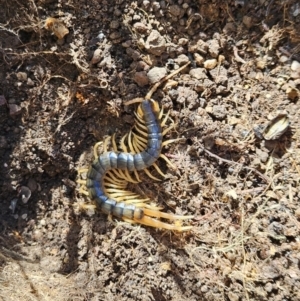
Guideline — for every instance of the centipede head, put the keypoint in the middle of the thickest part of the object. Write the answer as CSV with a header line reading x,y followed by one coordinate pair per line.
x,y
154,105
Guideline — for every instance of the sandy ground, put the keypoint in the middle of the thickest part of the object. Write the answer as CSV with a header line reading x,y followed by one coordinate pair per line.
x,y
64,85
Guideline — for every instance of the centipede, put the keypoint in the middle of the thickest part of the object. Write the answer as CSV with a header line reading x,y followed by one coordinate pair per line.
x,y
107,177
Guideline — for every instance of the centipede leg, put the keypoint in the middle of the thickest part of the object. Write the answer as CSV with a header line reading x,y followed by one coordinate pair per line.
x,y
148,221
147,172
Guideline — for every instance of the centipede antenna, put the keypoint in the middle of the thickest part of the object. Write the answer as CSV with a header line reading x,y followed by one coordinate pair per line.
x,y
169,216
135,100
148,221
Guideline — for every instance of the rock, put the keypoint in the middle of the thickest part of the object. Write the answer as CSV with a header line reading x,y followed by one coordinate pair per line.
x,y
198,73
97,56
182,59
213,48
22,76
114,24
295,66
175,10
14,109
199,46
182,41
2,100
140,27
263,156
210,64
247,21
141,78
261,64
32,185
155,43
219,75
156,74
199,59
229,28
219,111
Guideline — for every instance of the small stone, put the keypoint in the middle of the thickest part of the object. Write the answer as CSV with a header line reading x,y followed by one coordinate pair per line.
x,y
261,64
297,213
263,156
182,41
182,59
210,64
292,93
213,48
141,78
32,185
30,82
247,21
2,100
295,66
114,24
127,43
229,28
156,74
199,59
115,35
97,56
22,76
175,10
155,43
233,297
283,59
140,27
24,193
219,112
198,73
14,109
13,205
199,46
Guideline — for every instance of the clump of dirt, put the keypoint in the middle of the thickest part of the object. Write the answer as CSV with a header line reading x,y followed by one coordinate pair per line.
x,y
60,94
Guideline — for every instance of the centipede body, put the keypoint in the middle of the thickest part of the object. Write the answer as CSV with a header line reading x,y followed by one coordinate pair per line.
x,y
131,210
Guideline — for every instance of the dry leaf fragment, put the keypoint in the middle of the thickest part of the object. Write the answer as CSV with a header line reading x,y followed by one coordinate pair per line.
x,y
57,27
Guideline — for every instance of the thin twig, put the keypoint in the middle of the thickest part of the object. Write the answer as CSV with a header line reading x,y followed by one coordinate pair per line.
x,y
265,178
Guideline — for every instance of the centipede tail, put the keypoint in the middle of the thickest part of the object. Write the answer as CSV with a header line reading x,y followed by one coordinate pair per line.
x,y
108,175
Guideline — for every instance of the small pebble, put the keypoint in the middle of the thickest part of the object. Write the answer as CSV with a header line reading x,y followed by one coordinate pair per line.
x,y
210,64
97,56
22,76
155,43
156,74
2,100
141,78
24,193
14,109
